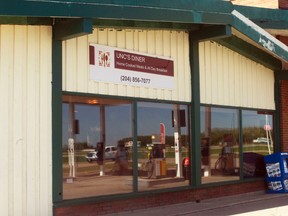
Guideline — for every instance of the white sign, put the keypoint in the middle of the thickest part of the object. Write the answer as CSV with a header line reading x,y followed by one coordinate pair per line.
x,y
113,65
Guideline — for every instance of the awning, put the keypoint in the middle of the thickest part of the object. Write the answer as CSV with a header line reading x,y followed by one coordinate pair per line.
x,y
254,32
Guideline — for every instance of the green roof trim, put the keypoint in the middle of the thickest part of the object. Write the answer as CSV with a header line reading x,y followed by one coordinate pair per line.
x,y
157,11
259,35
263,14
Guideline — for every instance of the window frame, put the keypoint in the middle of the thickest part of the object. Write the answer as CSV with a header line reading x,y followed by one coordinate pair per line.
x,y
240,110
57,154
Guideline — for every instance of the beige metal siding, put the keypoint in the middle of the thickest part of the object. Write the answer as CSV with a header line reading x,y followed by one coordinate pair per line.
x,y
25,120
172,44
228,78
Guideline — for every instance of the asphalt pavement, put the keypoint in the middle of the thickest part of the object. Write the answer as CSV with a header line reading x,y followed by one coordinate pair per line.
x,y
249,204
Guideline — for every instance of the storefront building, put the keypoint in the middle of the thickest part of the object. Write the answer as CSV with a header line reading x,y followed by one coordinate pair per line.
x,y
119,106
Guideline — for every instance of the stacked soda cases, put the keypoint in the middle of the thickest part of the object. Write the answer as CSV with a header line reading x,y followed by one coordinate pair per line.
x,y
277,172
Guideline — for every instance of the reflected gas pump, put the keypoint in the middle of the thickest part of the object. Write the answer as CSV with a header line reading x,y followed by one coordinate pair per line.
x,y
157,151
156,155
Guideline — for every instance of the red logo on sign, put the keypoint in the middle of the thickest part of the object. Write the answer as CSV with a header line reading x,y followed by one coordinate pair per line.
x,y
104,59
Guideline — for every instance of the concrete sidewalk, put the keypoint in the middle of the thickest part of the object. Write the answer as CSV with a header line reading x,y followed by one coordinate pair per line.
x,y
252,204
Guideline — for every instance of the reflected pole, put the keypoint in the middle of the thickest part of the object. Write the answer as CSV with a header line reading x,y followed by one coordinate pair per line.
x,y
102,136
207,167
177,140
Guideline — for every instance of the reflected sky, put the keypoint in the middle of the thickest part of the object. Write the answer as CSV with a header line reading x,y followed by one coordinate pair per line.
x,y
228,118
118,121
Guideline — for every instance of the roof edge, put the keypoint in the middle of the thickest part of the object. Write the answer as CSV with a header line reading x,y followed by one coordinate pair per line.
x,y
271,44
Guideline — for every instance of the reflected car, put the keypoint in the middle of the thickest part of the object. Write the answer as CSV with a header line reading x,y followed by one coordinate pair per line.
x,y
260,140
110,154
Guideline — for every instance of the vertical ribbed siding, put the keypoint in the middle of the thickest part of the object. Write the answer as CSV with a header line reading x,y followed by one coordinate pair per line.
x,y
227,78
173,44
25,120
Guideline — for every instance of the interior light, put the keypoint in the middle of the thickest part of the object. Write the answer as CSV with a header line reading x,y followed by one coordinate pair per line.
x,y
93,101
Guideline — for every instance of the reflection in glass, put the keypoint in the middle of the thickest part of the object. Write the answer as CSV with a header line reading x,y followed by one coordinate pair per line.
x,y
97,157
257,141
163,143
219,144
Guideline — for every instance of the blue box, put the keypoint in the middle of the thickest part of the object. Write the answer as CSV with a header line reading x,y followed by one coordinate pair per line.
x,y
277,172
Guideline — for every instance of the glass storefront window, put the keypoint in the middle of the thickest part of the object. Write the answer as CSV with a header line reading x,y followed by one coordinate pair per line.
x,y
257,139
219,144
163,144
97,158
97,145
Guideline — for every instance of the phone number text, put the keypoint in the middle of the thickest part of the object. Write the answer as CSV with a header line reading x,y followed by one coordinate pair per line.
x,y
134,79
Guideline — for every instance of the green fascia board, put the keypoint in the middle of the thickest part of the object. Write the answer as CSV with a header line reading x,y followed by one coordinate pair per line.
x,y
126,9
263,14
244,48
260,36
221,6
266,18
153,14
186,12
276,25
